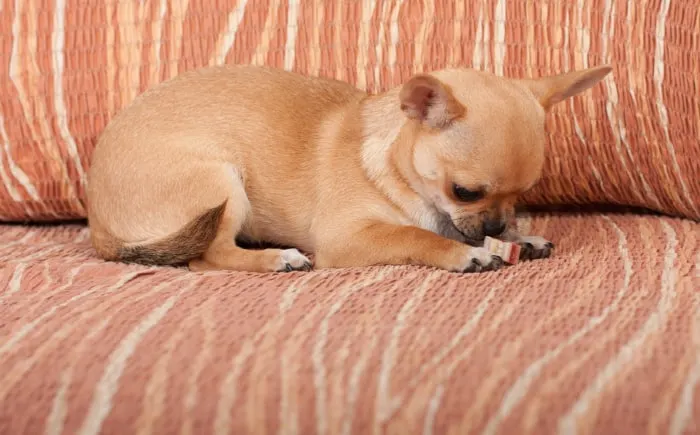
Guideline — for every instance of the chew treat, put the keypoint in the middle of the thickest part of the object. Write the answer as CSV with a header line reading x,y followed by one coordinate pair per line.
x,y
509,252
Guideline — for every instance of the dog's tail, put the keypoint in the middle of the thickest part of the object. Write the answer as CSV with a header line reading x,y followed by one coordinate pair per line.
x,y
188,243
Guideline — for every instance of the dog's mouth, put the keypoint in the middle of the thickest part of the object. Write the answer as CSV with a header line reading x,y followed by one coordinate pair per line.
x,y
448,222
467,239
473,242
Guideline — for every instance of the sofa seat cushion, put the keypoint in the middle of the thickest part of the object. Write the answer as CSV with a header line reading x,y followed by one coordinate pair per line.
x,y
603,337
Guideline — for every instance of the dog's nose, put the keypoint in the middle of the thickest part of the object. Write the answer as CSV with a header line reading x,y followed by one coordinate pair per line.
x,y
493,228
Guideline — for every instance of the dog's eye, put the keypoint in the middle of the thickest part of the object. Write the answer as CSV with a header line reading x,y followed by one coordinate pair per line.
x,y
466,195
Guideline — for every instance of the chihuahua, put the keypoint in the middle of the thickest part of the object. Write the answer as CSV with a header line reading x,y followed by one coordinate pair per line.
x,y
219,157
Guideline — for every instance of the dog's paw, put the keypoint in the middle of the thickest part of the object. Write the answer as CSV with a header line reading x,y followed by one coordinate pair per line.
x,y
291,260
535,247
481,260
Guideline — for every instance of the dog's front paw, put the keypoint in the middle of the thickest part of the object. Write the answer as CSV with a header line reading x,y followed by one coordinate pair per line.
x,y
535,247
481,260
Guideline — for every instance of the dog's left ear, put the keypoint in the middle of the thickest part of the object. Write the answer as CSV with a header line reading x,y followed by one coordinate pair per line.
x,y
428,100
555,89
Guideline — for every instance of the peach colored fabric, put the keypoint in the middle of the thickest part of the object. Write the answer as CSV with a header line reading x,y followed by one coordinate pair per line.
x,y
603,338
67,66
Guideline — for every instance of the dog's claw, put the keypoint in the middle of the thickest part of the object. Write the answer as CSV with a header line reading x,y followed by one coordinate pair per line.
x,y
474,267
528,251
306,267
496,262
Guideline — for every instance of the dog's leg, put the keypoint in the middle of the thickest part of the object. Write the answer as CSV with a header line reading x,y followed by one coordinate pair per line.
x,y
226,255
386,244
223,253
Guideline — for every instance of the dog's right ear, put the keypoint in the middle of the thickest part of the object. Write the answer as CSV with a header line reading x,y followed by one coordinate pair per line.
x,y
428,100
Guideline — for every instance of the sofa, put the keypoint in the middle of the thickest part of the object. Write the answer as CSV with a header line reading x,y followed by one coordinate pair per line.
x,y
601,338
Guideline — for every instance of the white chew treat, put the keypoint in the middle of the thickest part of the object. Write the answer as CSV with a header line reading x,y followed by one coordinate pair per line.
x,y
509,252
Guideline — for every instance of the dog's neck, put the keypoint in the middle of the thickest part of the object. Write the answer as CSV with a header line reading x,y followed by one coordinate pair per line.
x,y
382,121
387,158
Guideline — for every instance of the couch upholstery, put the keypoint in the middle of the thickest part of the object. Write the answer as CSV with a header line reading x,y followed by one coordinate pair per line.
x,y
603,338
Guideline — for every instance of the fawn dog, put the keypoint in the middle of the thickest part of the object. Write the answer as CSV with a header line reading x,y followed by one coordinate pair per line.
x,y
419,174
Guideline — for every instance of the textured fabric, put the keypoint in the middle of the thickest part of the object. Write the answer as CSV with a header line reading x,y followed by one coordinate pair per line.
x,y
604,338
67,66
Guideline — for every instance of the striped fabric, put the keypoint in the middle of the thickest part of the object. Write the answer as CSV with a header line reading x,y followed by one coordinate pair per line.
x,y
603,338
67,66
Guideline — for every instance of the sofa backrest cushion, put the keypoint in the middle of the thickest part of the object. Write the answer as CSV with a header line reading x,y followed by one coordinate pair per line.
x,y
632,140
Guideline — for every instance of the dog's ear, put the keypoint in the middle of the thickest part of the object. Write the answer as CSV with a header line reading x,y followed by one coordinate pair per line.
x,y
554,89
428,100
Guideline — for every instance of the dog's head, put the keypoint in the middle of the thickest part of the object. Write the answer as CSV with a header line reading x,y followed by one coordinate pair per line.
x,y
478,140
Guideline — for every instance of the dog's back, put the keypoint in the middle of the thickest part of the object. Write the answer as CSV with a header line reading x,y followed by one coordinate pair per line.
x,y
171,138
